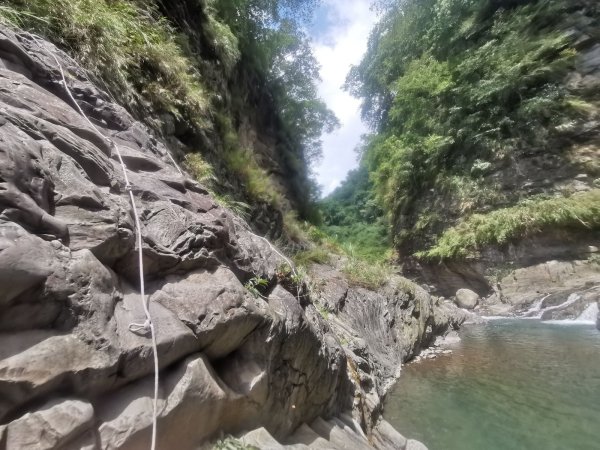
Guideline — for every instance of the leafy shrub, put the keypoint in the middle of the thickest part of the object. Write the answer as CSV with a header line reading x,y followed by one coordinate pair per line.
x,y
256,286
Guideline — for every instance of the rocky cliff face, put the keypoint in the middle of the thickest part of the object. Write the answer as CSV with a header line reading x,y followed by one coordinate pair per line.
x,y
554,259
380,330
73,374
243,95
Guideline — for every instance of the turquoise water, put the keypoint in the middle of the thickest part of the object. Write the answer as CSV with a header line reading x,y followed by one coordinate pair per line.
x,y
510,384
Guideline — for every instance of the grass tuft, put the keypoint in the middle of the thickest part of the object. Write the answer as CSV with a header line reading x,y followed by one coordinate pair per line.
x,y
305,258
201,170
126,44
525,219
365,273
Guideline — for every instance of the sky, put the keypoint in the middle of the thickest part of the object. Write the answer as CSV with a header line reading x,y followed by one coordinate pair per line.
x,y
340,33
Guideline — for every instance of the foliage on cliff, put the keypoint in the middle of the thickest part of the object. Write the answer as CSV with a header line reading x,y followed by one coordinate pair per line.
x,y
578,211
352,217
457,91
180,81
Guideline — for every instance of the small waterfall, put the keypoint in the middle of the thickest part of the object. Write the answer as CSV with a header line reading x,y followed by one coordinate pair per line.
x,y
535,312
589,315
570,300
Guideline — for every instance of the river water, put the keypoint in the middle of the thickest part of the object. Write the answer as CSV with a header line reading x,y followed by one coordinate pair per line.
x,y
509,384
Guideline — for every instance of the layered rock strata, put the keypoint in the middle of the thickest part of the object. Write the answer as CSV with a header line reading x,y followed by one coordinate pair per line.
x,y
73,375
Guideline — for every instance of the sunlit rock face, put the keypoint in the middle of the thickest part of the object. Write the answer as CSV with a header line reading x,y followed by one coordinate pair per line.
x,y
72,374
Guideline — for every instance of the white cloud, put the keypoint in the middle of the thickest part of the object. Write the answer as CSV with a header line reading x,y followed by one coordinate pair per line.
x,y
337,49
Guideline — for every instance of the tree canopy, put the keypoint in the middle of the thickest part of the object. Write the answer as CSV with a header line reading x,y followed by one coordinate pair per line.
x,y
270,34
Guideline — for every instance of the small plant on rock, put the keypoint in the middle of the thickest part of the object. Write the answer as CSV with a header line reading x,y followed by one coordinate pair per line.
x,y
255,285
231,443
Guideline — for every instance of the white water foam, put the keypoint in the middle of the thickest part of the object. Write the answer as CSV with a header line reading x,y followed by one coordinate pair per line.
x,y
590,314
572,299
497,317
587,317
570,322
535,311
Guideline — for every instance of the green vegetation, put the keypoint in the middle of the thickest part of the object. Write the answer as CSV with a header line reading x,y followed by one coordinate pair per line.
x,y
278,62
352,217
256,285
134,51
317,255
241,163
242,58
368,274
324,312
526,218
361,265
457,93
231,443
201,170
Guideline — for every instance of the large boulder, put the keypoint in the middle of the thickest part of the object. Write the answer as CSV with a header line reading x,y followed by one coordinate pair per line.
x,y
466,298
62,423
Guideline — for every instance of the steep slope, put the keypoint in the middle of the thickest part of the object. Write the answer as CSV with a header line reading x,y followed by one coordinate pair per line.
x,y
69,267
234,353
485,156
208,78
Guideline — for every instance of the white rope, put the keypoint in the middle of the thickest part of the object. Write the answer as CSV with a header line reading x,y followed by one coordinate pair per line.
x,y
275,250
133,327
174,163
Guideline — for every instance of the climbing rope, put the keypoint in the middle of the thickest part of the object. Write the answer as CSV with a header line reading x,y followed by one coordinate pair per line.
x,y
175,164
148,325
275,250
